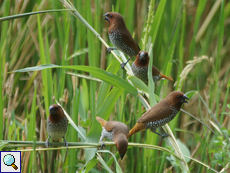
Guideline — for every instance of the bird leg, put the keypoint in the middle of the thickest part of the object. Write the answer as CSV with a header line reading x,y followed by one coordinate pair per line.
x,y
162,135
124,63
111,48
47,142
65,143
102,143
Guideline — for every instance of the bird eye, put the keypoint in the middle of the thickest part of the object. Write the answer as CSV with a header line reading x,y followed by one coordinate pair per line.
x,y
110,15
179,96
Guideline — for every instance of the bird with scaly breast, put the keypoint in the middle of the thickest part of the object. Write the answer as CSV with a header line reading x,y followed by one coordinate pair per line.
x,y
140,68
115,131
57,124
120,36
160,114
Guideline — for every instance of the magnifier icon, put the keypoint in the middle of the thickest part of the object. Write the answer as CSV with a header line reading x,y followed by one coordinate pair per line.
x,y
9,160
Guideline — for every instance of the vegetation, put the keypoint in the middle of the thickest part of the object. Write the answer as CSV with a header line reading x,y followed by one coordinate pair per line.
x,y
60,56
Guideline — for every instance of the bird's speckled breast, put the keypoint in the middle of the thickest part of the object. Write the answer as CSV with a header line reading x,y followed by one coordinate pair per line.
x,y
116,39
142,73
57,130
107,134
161,122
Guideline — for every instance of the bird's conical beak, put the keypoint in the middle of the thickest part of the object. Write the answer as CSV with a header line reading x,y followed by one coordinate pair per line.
x,y
106,16
122,155
184,99
52,109
142,55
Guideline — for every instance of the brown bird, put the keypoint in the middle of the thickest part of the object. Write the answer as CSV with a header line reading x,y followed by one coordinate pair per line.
x,y
160,114
57,124
140,68
114,131
120,36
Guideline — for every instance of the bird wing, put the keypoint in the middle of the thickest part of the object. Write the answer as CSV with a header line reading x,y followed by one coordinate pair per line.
x,y
120,127
128,40
155,71
159,111
109,125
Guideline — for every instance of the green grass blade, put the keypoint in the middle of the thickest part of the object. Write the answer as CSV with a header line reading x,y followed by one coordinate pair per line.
x,y
99,73
118,168
104,111
31,13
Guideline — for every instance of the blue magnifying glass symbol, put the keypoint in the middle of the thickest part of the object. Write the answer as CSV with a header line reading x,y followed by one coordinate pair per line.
x,y
9,160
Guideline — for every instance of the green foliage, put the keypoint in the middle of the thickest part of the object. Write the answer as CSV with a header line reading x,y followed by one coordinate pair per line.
x,y
56,54
221,152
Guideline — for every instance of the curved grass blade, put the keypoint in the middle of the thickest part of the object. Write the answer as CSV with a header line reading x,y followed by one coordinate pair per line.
x,y
118,168
104,163
71,121
99,73
104,112
31,13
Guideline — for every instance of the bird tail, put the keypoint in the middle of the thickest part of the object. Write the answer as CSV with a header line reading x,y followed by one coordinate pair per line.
x,y
138,127
166,77
101,120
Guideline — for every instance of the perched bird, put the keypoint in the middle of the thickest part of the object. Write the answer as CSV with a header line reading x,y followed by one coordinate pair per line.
x,y
160,114
57,124
120,36
116,131
140,68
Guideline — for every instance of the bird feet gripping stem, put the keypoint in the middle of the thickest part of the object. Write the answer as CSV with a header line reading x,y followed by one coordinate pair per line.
x,y
102,146
111,48
65,143
164,135
161,135
124,63
47,142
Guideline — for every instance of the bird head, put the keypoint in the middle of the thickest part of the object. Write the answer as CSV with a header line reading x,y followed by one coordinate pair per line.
x,y
142,59
121,143
55,109
56,113
107,16
176,99
143,55
114,19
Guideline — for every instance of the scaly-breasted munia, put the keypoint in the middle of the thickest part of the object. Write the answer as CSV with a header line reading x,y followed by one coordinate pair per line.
x,y
120,36
114,131
140,68
160,114
57,124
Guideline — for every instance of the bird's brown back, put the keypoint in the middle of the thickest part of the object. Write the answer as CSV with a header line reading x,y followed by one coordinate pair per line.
x,y
128,40
155,71
159,111
117,127
117,23
163,109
